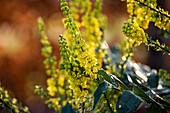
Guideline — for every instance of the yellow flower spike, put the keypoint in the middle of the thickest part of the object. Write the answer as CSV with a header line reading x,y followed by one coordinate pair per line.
x,y
10,103
134,32
146,11
83,54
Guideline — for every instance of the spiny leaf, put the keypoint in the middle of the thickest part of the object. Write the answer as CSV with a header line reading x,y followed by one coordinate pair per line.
x,y
109,77
101,88
139,92
153,94
127,102
153,79
122,85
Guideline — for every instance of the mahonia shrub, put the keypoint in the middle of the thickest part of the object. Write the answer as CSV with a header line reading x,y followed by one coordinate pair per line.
x,y
94,78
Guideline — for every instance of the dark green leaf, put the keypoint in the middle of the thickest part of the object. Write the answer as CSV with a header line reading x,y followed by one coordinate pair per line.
x,y
127,102
61,66
105,75
153,79
152,94
101,88
67,109
109,78
133,78
139,92
122,85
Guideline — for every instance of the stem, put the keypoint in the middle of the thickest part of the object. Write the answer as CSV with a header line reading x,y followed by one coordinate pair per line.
x,y
150,41
83,107
108,103
153,9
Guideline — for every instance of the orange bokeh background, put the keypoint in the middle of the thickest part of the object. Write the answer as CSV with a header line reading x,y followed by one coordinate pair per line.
x,y
21,66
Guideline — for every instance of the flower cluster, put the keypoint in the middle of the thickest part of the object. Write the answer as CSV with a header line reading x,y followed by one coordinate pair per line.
x,y
49,62
142,13
147,11
7,103
81,51
75,6
57,79
94,22
77,80
134,32
93,33
79,60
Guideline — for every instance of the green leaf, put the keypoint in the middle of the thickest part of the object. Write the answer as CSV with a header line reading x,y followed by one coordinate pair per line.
x,y
122,85
127,102
109,78
153,79
101,88
139,92
153,94
105,75
67,109
61,66
133,78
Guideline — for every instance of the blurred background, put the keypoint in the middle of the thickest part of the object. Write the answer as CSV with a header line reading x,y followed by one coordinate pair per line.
x,y
21,66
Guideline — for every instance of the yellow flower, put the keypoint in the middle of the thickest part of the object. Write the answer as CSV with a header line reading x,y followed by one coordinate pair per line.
x,y
52,90
95,69
25,109
14,100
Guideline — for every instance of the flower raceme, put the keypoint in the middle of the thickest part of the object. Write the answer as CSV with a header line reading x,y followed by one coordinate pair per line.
x,y
6,102
50,61
134,32
80,50
78,59
56,79
90,22
76,70
146,11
